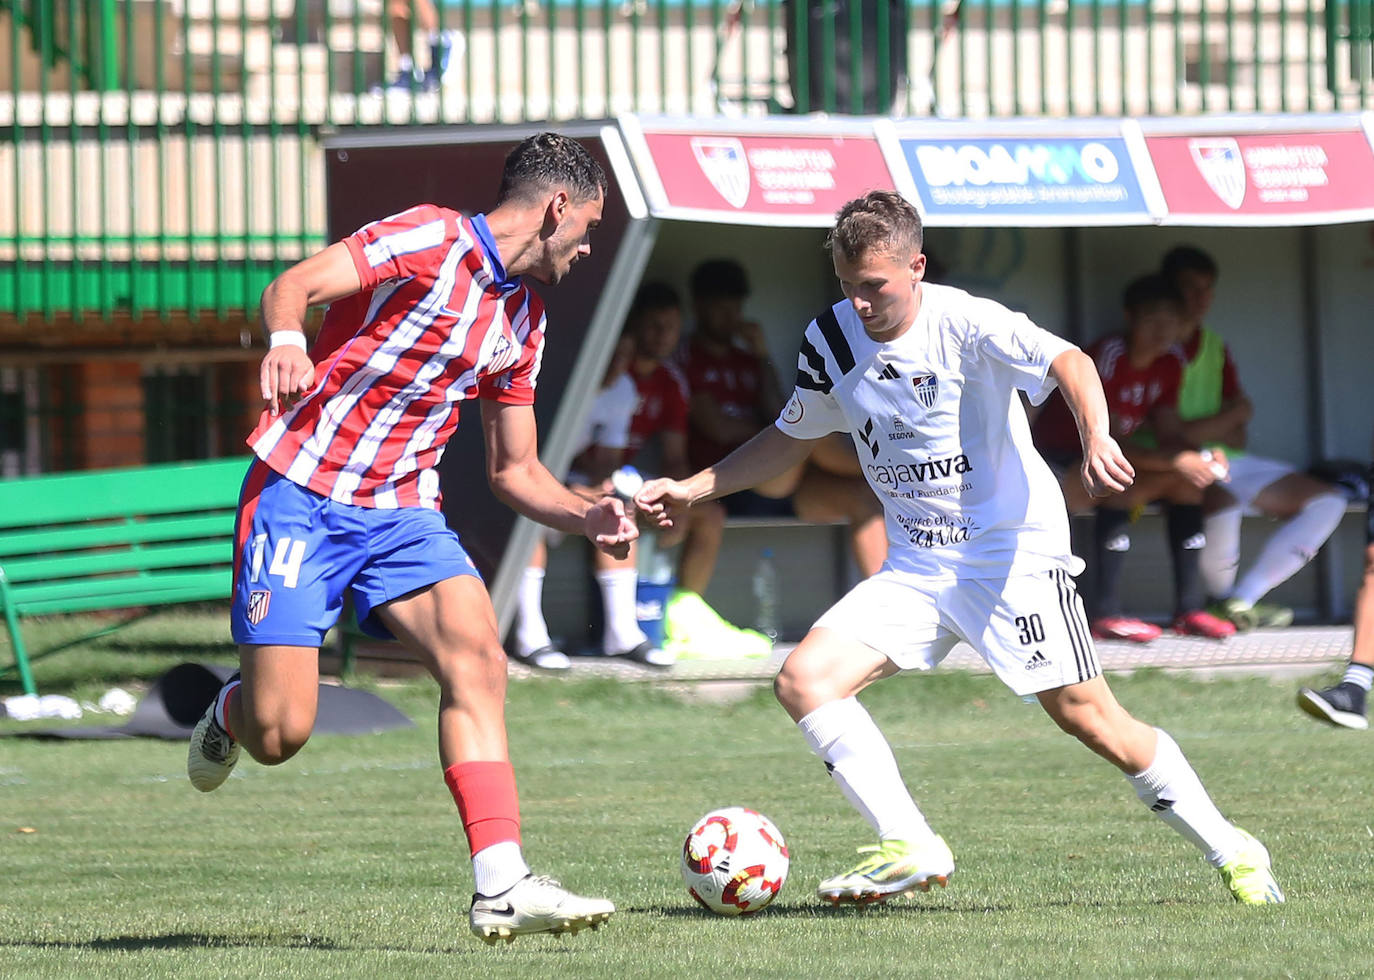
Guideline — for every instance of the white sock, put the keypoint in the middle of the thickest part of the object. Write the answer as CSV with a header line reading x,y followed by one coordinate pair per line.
x,y
405,64
1221,556
1360,675
1291,546
622,632
531,632
859,759
496,868
1172,789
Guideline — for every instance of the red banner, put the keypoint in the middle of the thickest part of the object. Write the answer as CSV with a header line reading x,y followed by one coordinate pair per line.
x,y
1248,178
802,178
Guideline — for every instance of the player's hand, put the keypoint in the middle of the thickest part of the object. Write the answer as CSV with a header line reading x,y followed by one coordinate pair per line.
x,y
664,502
1201,469
287,373
1106,469
751,335
609,528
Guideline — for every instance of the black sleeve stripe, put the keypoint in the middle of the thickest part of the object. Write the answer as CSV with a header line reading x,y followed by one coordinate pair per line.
x,y
834,336
819,379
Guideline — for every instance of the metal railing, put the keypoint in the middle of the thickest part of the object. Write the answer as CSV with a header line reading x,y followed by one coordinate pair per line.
x,y
162,155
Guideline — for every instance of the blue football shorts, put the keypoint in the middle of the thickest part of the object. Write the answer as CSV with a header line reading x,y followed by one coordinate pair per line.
x,y
297,554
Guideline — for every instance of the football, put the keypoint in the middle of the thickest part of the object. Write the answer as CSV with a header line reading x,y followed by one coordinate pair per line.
x,y
734,861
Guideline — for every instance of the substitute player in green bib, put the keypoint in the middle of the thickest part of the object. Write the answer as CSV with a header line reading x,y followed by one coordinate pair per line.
x,y
1216,413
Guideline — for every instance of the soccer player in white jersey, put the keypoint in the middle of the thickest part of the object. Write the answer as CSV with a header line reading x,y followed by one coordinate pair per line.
x,y
925,378
427,310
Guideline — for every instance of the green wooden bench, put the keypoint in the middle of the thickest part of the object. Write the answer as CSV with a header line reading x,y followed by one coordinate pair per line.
x,y
133,539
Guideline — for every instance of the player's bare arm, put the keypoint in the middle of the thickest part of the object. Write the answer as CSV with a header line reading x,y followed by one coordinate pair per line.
x,y
770,398
287,372
763,457
1105,467
1228,426
1200,468
707,415
518,477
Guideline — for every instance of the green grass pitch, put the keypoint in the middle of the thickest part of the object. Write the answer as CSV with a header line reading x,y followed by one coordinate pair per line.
x,y
349,861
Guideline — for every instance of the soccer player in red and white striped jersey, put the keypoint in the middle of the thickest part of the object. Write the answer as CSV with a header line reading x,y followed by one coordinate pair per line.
x,y
427,310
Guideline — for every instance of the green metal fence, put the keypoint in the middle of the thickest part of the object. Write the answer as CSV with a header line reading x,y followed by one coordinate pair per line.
x,y
162,155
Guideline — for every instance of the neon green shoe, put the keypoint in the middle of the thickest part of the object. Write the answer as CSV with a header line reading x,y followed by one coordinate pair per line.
x,y
892,867
1261,615
692,630
1249,877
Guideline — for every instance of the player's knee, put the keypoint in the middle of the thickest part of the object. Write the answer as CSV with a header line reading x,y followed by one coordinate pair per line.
x,y
799,692
461,667
273,743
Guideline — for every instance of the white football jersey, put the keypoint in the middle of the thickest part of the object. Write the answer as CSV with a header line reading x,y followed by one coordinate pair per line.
x,y
941,433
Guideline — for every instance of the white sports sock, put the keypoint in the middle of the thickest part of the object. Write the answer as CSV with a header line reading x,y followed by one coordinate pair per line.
x,y
531,631
1359,674
859,759
1291,546
1221,556
622,632
496,868
1172,789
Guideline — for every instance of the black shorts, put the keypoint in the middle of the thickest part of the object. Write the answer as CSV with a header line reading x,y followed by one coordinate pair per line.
x,y
1063,463
747,503
1369,509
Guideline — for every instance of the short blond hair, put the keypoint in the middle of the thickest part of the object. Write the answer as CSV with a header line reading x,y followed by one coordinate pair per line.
x,y
880,221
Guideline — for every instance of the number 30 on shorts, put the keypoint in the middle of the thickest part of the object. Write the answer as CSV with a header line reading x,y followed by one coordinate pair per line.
x,y
1032,629
286,559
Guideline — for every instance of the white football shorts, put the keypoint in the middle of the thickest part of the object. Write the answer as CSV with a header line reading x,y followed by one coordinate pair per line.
x,y
1030,629
1251,474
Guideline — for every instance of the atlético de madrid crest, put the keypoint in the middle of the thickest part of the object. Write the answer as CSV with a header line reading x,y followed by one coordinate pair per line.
x,y
1219,161
722,160
926,390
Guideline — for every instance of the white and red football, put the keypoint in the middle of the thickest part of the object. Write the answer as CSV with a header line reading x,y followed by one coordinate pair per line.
x,y
734,861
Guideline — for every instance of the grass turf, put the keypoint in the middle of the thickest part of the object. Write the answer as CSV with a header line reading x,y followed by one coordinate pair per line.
x,y
349,860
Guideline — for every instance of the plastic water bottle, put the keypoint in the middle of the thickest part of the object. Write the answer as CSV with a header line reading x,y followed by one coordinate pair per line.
x,y
656,582
766,595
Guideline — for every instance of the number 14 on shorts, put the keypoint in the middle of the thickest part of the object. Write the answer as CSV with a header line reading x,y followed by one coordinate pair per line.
x,y
287,557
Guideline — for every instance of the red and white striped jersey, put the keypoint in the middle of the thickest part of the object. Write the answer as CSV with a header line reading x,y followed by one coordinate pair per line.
x,y
437,323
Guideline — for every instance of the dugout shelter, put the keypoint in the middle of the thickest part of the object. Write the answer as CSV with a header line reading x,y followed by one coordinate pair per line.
x,y
1051,217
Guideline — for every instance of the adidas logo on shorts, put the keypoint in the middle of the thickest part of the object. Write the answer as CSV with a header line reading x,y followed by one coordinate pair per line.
x,y
1037,661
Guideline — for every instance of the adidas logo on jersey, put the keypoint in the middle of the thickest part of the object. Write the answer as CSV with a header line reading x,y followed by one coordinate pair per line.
x,y
1037,661
889,373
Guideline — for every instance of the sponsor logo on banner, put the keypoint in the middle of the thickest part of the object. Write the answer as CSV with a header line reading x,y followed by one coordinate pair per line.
x,y
258,601
1219,161
1075,176
926,390
1327,173
723,162
763,173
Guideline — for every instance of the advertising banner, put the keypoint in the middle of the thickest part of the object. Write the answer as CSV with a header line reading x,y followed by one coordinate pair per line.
x,y
1050,180
1268,178
763,177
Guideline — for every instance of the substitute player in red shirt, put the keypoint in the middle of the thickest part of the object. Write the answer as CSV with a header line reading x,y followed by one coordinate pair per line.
x,y
427,310
1140,372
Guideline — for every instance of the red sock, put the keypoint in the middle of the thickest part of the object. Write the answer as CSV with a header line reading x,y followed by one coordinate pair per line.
x,y
222,705
487,802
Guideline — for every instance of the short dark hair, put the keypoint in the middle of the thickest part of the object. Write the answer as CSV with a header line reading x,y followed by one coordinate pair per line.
x,y
1187,258
880,221
653,296
1150,292
719,279
544,161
